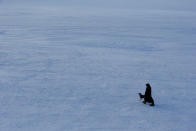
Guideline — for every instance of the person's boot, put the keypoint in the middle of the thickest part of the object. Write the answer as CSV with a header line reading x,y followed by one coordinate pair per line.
x,y
152,104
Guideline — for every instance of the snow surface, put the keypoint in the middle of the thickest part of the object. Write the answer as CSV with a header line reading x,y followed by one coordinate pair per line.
x,y
69,70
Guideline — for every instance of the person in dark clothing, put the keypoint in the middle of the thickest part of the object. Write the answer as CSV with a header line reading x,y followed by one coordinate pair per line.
x,y
147,96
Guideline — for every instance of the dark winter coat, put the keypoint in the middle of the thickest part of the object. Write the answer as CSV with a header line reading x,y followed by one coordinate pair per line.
x,y
148,92
148,96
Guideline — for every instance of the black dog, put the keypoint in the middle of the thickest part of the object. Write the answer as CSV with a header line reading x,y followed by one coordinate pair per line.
x,y
147,97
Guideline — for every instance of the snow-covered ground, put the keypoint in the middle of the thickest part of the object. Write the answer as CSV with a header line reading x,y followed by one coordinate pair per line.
x,y
69,70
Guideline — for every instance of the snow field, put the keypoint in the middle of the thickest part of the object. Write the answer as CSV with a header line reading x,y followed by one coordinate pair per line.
x,y
82,72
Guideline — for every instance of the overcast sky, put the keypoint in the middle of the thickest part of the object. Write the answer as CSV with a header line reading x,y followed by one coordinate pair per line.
x,y
130,4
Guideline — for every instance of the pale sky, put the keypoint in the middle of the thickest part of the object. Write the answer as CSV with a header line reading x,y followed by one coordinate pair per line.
x,y
128,4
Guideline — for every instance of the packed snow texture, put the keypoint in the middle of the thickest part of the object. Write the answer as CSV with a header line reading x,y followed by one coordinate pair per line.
x,y
69,70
